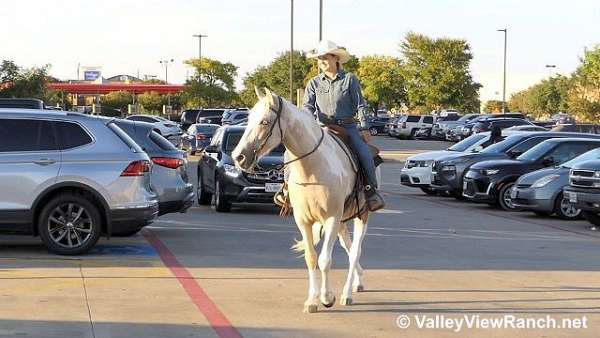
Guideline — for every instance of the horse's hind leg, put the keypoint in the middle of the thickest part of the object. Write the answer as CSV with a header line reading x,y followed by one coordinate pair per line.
x,y
331,228
344,235
310,257
360,228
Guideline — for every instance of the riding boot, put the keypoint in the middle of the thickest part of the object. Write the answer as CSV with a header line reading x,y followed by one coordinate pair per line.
x,y
374,200
281,197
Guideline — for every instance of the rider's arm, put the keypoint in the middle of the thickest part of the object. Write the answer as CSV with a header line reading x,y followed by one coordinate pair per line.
x,y
358,101
310,98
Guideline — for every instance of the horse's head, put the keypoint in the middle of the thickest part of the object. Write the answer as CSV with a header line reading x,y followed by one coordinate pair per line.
x,y
264,130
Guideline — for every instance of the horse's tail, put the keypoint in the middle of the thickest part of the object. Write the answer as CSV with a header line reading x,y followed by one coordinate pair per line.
x,y
317,232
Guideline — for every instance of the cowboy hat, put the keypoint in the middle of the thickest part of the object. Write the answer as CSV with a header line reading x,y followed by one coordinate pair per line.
x,y
328,47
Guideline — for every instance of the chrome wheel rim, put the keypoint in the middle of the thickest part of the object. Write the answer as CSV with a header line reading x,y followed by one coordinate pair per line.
x,y
506,197
568,209
70,225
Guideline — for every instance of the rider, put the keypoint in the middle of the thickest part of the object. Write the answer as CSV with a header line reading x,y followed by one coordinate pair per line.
x,y
335,97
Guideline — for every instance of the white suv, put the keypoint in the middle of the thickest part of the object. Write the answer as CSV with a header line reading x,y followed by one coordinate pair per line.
x,y
408,125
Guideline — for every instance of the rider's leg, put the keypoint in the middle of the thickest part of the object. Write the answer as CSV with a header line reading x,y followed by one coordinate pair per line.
x,y
374,200
281,196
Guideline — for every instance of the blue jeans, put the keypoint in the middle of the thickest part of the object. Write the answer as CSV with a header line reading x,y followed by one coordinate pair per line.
x,y
364,155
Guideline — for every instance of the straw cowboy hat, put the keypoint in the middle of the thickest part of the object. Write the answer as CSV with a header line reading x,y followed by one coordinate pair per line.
x,y
328,47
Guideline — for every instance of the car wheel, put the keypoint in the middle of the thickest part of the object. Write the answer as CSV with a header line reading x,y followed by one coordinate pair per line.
x,y
541,213
504,199
592,217
429,191
203,196
373,131
412,134
69,224
221,202
565,210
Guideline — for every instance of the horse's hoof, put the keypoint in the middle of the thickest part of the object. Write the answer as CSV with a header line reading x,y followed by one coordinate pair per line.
x,y
328,305
346,301
312,308
358,288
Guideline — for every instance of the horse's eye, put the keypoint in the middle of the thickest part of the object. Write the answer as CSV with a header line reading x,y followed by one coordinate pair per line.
x,y
264,122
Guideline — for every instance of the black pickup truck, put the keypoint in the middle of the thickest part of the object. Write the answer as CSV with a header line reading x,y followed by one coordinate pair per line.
x,y
583,190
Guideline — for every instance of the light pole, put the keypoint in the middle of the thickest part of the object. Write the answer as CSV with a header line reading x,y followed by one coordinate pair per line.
x,y
320,20
166,64
550,69
199,36
291,50
505,30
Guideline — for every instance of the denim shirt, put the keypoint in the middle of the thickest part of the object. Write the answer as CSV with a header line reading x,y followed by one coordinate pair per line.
x,y
337,98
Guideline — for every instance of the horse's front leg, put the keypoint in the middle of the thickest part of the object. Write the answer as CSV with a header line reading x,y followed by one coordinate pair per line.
x,y
344,236
310,257
331,228
360,228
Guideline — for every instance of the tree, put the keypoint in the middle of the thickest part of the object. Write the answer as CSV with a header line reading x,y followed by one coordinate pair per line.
x,y
213,84
117,100
493,106
152,102
584,93
382,81
437,74
18,82
544,98
276,77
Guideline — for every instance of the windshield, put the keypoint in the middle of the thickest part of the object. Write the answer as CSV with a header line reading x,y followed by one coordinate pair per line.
x,y
590,155
501,147
234,138
466,118
536,152
467,143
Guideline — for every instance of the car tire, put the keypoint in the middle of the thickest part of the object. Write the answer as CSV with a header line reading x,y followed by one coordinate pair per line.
x,y
429,191
82,225
565,210
203,196
373,131
222,204
503,199
413,132
542,213
592,217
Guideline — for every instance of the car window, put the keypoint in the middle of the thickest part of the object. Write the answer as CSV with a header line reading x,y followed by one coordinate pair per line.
x,y
232,141
162,142
501,147
27,135
528,144
72,135
428,119
468,142
413,118
593,154
567,151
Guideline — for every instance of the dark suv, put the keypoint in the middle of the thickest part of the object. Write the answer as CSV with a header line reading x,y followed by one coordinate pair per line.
x,y
218,175
583,191
502,123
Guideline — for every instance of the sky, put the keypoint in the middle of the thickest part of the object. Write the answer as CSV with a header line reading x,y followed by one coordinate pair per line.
x,y
131,36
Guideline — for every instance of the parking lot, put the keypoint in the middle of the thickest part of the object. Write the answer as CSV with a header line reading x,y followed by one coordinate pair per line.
x,y
206,274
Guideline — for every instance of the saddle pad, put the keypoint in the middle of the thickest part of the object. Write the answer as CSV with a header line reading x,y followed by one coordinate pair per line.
x,y
350,154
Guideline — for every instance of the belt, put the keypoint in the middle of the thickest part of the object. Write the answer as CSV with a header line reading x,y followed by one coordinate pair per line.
x,y
340,122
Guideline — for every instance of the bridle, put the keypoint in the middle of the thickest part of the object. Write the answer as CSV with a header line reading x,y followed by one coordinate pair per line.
x,y
277,122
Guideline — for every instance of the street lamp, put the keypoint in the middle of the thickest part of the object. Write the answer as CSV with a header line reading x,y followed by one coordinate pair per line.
x,y
505,30
199,36
550,69
166,64
291,50
320,20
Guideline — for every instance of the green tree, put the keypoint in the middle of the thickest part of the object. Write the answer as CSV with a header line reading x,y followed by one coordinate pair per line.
x,y
382,81
152,102
23,83
117,100
437,74
212,85
276,77
544,98
584,93
493,106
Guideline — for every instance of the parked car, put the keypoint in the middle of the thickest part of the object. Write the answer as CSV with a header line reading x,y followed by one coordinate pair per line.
x,y
502,123
218,175
233,116
198,136
583,191
492,181
391,124
164,127
423,134
188,117
212,116
169,174
467,128
578,128
448,172
377,125
408,125
542,191
528,127
441,127
21,103
68,178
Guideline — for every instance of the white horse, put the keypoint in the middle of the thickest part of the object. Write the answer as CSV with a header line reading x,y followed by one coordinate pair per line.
x,y
321,177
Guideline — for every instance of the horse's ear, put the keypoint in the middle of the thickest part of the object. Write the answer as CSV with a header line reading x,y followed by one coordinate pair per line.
x,y
259,94
269,95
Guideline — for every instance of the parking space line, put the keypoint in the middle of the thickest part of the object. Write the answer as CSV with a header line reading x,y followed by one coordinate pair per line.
x,y
217,320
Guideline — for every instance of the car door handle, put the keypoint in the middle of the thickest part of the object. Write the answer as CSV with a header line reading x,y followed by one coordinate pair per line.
x,y
44,162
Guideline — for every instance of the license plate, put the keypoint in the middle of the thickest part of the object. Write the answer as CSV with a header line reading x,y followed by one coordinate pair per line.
x,y
572,197
465,185
272,187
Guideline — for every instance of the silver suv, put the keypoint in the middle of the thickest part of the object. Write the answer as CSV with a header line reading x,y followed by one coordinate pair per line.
x,y
69,178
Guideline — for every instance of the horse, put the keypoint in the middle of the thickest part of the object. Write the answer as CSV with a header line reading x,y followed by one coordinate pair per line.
x,y
321,177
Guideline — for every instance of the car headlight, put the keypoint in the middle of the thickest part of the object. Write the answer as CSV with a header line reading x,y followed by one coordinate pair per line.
x,y
232,170
450,167
544,181
489,172
597,174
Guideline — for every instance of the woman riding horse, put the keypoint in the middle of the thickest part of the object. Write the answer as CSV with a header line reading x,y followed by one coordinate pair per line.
x,y
335,97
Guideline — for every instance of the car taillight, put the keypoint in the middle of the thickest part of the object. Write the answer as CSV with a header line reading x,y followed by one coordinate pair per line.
x,y
403,125
200,137
171,163
137,168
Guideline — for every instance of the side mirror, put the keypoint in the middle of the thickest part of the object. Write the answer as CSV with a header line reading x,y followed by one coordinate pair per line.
x,y
548,161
